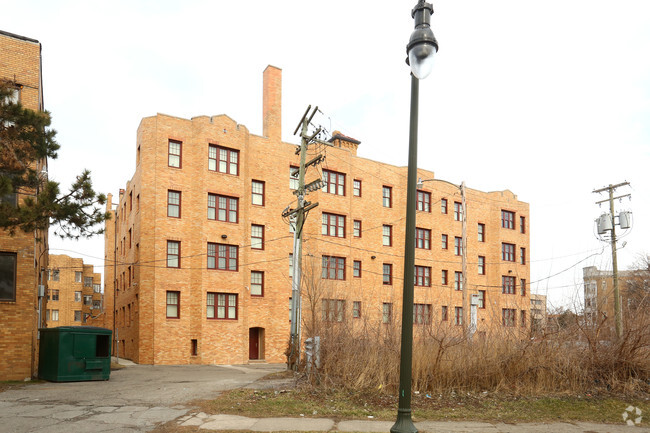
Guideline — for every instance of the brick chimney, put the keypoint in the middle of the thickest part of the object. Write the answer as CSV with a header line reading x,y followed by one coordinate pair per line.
x,y
272,110
340,140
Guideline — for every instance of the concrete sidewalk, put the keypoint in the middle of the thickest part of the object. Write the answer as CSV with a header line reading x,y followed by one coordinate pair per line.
x,y
234,422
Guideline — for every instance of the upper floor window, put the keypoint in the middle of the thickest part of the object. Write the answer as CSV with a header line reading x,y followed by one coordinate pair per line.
x,y
173,204
508,252
444,316
294,181
222,256
458,315
77,277
386,312
356,309
388,274
387,235
223,160
443,205
173,254
257,237
458,246
508,285
257,192
445,277
173,304
481,265
522,224
458,211
333,310
88,281
444,241
257,283
356,189
357,228
174,157
509,316
458,280
387,196
421,314
481,232
522,255
333,182
424,201
333,225
223,208
481,299
333,268
356,269
507,219
221,306
422,276
423,238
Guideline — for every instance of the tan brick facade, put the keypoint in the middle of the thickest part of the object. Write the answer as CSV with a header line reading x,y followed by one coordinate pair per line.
x,y
74,296
167,205
20,63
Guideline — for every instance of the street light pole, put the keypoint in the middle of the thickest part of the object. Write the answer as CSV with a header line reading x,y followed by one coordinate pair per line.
x,y
421,48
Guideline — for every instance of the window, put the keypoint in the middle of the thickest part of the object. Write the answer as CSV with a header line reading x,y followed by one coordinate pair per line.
x,y
333,225
445,242
333,268
357,228
356,309
387,194
522,287
173,304
173,254
333,310
481,232
77,316
388,274
174,159
422,276
508,285
88,300
421,314
356,268
443,205
444,314
88,281
356,188
458,246
55,275
458,316
424,201
257,283
507,219
55,295
509,316
257,237
223,208
291,265
77,296
445,277
458,211
458,280
508,252
423,238
387,235
226,306
522,224
387,312
333,182
522,255
481,299
257,192
174,204
481,265
522,321
223,160
222,256
55,315
97,288
294,182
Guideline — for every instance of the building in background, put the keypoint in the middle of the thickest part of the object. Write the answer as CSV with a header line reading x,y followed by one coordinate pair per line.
x,y
202,254
538,312
74,294
23,257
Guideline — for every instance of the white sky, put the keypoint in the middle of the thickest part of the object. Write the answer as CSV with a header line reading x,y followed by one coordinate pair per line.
x,y
550,99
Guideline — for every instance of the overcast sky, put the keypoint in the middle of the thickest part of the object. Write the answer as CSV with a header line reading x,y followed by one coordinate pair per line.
x,y
549,99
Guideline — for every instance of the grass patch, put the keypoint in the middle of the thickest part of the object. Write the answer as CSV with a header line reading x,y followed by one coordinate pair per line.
x,y
471,407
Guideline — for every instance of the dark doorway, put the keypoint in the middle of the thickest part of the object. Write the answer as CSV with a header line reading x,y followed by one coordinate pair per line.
x,y
256,343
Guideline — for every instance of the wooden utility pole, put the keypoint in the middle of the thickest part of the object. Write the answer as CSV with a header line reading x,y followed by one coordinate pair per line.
x,y
464,263
617,298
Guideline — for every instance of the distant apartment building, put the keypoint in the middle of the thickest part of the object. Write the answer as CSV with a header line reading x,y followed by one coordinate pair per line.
x,y
634,294
74,295
198,253
23,257
538,311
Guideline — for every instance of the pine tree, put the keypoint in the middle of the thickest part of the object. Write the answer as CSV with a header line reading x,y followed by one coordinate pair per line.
x,y
26,142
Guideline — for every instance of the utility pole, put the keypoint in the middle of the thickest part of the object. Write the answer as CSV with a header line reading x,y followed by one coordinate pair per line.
x,y
301,213
617,301
464,262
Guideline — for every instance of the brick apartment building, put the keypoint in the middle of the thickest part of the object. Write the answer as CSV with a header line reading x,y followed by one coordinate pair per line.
x,y
634,288
74,295
22,257
202,252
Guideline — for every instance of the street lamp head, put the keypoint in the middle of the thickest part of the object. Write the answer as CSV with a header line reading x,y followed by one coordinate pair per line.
x,y
422,45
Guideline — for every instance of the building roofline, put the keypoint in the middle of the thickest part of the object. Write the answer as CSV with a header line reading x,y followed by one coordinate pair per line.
x,y
15,36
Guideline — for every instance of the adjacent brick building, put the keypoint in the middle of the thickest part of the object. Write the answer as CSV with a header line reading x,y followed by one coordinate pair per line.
x,y
23,257
202,252
74,294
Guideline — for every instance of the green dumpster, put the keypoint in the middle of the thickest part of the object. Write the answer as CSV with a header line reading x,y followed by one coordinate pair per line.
x,y
74,353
